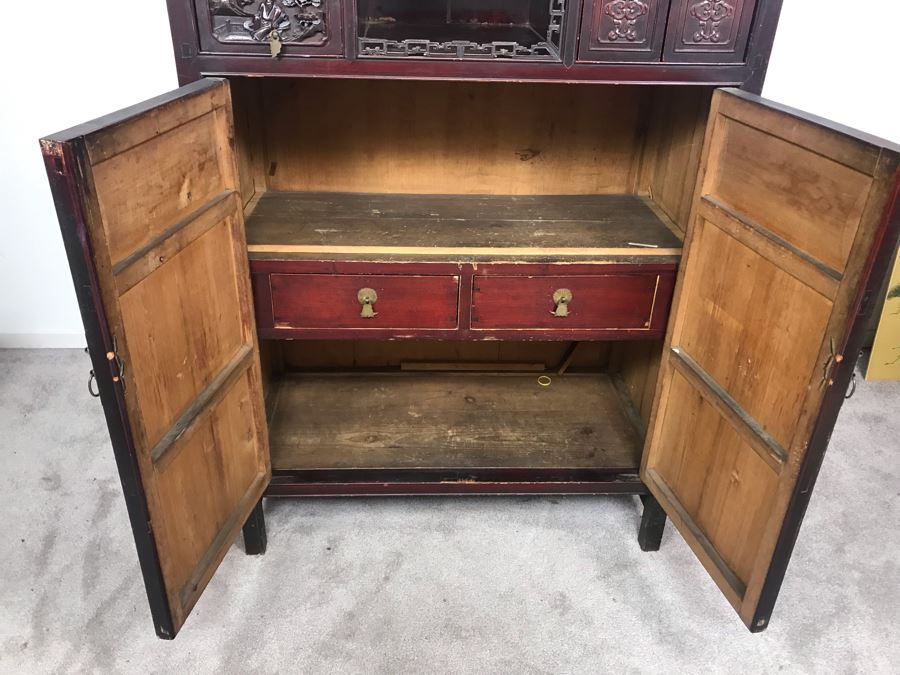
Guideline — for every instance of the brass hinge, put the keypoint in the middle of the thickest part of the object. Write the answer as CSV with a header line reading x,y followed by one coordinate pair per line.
x,y
117,365
828,366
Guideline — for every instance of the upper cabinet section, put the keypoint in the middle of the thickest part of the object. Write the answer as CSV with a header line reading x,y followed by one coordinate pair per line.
x,y
717,42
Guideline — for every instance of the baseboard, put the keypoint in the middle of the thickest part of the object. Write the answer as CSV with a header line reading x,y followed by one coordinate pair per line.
x,y
42,341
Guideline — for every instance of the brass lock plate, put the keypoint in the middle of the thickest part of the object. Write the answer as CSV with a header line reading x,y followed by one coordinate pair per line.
x,y
561,298
367,297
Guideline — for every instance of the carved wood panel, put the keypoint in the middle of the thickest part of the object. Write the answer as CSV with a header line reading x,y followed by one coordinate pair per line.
x,y
622,30
708,31
294,26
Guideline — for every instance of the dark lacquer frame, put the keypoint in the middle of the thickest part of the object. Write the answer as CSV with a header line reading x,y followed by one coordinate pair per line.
x,y
193,63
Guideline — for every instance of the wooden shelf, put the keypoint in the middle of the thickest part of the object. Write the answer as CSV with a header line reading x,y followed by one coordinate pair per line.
x,y
459,227
450,421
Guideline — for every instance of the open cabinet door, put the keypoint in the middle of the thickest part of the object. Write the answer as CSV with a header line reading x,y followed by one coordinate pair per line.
x,y
154,232
790,216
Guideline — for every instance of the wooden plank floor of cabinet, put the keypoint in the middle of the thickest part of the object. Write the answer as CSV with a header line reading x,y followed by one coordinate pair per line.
x,y
790,216
153,227
451,421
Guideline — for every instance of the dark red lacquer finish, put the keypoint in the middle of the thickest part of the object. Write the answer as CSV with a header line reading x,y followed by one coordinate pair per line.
x,y
610,301
708,30
316,301
612,30
740,58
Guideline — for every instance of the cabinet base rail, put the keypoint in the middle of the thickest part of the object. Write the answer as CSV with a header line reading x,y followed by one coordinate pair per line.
x,y
392,482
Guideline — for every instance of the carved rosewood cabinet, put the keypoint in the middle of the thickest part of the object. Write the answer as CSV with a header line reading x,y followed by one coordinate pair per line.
x,y
385,247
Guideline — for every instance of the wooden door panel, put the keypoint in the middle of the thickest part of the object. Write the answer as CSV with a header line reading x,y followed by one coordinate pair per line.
x,y
811,201
219,449
183,337
715,472
188,170
152,218
771,346
789,214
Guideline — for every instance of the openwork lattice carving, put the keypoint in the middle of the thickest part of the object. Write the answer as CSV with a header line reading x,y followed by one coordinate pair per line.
x,y
544,50
287,21
710,14
625,15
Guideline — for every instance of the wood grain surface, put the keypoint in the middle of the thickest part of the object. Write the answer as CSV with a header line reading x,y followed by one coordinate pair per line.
x,y
450,421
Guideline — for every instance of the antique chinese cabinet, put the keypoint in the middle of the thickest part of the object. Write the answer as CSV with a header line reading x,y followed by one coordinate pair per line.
x,y
397,247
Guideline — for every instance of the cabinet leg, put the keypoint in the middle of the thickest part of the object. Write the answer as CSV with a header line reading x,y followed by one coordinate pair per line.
x,y
653,521
255,531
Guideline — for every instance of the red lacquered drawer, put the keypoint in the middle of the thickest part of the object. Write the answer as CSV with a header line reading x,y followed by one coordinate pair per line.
x,y
334,301
604,302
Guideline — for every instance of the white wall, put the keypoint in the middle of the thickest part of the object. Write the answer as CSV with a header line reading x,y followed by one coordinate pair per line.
x,y
838,59
107,54
99,56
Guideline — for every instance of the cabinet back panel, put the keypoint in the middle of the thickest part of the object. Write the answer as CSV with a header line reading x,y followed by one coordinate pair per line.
x,y
451,137
348,354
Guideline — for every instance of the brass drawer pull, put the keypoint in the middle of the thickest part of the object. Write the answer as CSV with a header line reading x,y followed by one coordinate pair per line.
x,y
562,298
367,298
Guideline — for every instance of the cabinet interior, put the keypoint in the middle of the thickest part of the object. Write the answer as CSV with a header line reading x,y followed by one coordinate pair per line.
x,y
308,149
458,405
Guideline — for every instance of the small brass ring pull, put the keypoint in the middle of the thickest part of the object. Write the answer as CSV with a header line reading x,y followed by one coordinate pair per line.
x,y
561,298
367,298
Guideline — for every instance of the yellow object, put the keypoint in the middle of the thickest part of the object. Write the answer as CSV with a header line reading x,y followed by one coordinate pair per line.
x,y
884,364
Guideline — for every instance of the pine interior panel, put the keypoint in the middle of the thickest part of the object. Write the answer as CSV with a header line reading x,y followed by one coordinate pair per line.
x,y
390,354
283,222
636,363
674,141
451,137
816,206
463,421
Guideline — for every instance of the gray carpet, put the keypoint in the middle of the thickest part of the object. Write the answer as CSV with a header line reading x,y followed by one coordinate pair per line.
x,y
516,585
